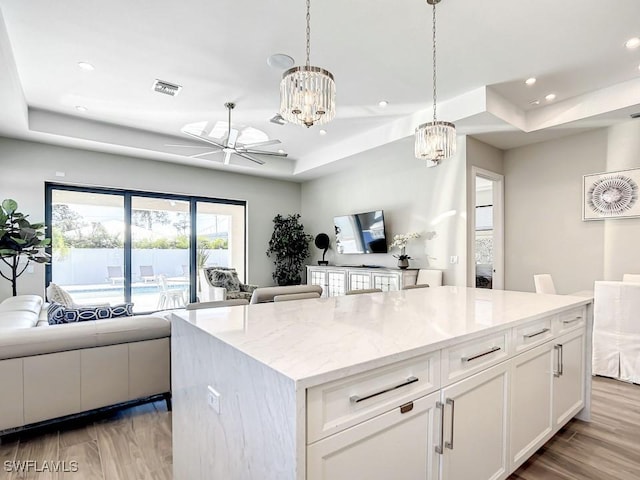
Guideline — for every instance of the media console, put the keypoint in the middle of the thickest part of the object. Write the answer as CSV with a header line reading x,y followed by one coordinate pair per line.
x,y
337,280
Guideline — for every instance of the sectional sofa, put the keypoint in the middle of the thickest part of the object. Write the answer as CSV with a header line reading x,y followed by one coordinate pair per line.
x,y
50,371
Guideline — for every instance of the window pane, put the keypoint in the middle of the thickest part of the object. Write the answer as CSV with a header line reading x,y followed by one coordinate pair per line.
x,y
87,232
160,231
220,239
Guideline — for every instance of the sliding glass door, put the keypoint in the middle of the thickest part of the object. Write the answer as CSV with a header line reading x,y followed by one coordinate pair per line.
x,y
111,246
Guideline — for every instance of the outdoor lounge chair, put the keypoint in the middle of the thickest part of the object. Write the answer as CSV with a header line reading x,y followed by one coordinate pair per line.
x,y
147,274
114,274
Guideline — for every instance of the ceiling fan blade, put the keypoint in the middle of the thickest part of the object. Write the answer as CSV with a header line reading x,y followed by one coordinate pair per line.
x,y
204,139
249,157
264,152
185,146
233,137
275,141
204,154
227,158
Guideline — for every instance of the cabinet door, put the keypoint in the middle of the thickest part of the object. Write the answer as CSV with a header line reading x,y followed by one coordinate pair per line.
x,y
394,445
569,376
475,433
387,282
359,280
531,402
317,277
336,283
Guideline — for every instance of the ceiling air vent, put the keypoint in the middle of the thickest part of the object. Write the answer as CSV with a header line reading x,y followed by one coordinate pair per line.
x,y
635,115
167,88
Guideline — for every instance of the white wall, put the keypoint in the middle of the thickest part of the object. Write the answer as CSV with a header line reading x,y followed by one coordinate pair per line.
x,y
622,236
414,199
25,166
544,231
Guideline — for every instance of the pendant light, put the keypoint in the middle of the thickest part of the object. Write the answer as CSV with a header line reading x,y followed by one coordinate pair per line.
x,y
436,140
307,94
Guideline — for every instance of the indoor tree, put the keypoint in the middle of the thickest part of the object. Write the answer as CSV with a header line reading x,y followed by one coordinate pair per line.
x,y
20,239
289,246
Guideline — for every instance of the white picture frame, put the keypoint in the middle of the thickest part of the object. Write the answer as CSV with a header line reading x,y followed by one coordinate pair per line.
x,y
611,195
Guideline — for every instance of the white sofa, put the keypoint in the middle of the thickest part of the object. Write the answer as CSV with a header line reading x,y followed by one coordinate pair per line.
x,y
616,330
50,371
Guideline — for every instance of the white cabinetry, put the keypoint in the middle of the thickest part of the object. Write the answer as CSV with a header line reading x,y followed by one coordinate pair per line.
x,y
531,401
398,444
568,386
475,426
336,280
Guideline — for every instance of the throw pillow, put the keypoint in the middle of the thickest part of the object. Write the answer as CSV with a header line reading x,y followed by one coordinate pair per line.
x,y
57,294
83,314
55,313
227,279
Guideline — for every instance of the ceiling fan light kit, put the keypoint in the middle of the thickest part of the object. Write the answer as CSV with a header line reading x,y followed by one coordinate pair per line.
x,y
436,140
307,93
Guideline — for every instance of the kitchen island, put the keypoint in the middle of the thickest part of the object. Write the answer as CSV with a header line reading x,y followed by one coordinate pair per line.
x,y
447,382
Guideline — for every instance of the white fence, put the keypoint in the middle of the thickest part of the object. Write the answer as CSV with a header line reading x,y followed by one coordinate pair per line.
x,y
88,266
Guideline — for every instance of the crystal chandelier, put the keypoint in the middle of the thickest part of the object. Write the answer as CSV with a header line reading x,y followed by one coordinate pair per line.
x,y
307,94
436,140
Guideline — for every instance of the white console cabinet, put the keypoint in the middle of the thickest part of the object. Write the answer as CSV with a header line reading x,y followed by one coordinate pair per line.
x,y
336,280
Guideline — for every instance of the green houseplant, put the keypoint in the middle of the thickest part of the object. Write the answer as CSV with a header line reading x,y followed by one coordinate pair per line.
x,y
20,239
289,246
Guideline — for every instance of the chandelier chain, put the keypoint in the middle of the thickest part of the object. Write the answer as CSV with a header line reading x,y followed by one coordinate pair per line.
x,y
435,98
308,31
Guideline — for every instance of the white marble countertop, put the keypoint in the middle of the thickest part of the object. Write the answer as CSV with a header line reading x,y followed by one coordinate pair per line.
x,y
313,341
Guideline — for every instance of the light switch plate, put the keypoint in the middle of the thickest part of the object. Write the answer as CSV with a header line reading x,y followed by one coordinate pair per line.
x,y
453,259
213,399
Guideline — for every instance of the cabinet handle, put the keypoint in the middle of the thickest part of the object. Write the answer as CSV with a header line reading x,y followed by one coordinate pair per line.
x,y
572,320
531,335
559,361
451,402
439,449
408,381
481,354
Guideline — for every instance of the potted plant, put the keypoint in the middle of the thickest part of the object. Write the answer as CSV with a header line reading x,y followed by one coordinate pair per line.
x,y
290,247
400,241
20,239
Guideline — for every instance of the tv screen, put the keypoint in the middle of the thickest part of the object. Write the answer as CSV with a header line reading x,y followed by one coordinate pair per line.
x,y
361,233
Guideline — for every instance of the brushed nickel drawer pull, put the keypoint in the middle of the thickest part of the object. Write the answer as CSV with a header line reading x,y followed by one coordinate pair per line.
x,y
439,447
531,335
572,320
482,354
451,402
357,398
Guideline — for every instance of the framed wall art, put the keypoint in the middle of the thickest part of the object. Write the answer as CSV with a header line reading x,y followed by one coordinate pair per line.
x,y
611,195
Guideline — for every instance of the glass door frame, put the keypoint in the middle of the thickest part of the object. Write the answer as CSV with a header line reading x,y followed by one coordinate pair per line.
x,y
127,195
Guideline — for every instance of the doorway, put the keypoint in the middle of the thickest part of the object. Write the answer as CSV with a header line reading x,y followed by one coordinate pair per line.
x,y
487,220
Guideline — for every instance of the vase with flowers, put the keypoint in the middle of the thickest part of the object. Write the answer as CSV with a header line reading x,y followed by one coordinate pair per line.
x,y
400,241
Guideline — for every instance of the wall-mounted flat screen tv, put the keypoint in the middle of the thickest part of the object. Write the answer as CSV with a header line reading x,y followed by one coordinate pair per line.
x,y
361,233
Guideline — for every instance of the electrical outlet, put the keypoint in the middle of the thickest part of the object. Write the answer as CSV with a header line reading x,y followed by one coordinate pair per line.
x,y
213,399
453,259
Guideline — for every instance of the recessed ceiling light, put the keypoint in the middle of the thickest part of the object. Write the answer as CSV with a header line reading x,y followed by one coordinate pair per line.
x,y
383,103
280,61
632,43
280,151
80,108
530,81
534,102
322,132
86,66
551,97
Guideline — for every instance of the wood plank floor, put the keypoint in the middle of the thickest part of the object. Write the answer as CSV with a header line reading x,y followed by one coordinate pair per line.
x,y
135,444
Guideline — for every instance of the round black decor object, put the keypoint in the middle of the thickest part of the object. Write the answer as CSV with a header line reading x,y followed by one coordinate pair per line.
x,y
322,242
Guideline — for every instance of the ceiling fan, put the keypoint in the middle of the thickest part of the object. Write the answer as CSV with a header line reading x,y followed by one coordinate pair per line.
x,y
231,146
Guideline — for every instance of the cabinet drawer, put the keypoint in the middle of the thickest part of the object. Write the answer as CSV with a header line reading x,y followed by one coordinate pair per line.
x,y
571,319
470,357
346,402
532,334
